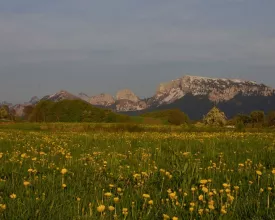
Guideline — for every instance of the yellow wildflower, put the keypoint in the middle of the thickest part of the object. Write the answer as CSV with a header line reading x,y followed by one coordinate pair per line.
x,y
100,208
111,208
116,199
108,194
201,197
13,196
205,190
146,196
258,172
63,171
26,183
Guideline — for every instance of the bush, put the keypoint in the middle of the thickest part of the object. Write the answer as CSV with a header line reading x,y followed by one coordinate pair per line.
x,y
172,116
240,127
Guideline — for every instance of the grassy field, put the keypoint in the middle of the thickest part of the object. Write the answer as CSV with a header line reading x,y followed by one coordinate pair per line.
x,y
63,172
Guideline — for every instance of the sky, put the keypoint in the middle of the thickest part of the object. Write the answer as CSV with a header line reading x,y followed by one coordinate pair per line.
x,y
103,46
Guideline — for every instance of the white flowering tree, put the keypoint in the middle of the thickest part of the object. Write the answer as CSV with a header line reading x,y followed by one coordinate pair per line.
x,y
215,117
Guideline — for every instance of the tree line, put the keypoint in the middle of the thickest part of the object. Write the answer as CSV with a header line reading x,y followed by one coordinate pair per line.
x,y
81,111
67,111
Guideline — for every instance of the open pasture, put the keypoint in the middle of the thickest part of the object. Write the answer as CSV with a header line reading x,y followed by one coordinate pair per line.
x,y
136,175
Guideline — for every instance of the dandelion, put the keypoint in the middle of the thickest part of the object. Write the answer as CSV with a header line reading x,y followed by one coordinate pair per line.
x,y
108,194
13,196
100,208
111,208
116,200
200,211
223,211
26,183
24,155
162,170
211,205
227,191
146,196
137,176
3,207
205,190
225,185
63,171
230,198
259,173
175,218
125,211
172,195
201,197
151,202
165,217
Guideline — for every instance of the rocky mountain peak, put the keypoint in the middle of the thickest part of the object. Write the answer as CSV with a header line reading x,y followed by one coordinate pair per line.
x,y
84,96
34,100
102,99
217,89
61,95
127,94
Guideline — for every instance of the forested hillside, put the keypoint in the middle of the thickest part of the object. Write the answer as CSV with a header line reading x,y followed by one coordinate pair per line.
x,y
72,111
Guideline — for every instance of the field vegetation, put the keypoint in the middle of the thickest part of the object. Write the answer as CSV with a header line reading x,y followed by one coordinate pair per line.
x,y
107,171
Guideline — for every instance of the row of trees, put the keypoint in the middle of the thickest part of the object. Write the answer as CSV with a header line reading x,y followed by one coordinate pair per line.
x,y
254,119
215,117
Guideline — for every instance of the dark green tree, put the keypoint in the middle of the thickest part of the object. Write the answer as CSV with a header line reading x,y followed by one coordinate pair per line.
x,y
27,112
257,118
4,112
271,118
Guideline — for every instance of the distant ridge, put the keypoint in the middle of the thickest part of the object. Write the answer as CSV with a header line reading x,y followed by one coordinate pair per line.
x,y
192,94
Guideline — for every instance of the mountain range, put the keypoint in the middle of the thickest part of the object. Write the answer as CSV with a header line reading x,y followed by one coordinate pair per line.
x,y
192,94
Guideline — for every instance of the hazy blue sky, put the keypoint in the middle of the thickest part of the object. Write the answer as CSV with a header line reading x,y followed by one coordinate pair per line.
x,y
103,46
